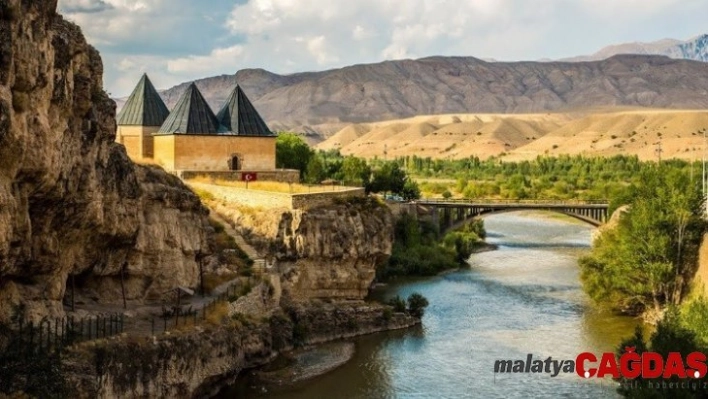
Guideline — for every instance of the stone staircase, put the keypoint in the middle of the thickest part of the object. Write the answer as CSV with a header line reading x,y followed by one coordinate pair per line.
x,y
260,265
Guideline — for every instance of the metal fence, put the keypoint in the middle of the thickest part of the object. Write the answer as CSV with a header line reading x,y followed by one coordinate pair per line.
x,y
181,315
54,334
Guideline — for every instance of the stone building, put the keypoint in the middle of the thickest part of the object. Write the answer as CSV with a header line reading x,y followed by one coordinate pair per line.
x,y
141,117
192,137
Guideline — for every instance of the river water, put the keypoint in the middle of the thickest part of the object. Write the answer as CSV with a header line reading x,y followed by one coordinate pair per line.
x,y
523,298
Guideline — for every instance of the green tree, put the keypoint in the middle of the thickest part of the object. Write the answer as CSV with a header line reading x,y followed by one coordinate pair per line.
x,y
315,170
417,304
356,171
411,191
389,178
647,261
292,152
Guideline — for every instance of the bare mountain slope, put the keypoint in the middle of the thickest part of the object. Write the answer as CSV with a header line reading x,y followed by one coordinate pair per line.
x,y
437,85
693,49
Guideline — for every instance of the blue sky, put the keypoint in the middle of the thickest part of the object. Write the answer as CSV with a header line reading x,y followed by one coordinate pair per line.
x,y
181,40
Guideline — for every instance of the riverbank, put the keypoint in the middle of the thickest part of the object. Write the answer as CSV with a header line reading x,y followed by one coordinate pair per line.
x,y
523,298
200,361
421,249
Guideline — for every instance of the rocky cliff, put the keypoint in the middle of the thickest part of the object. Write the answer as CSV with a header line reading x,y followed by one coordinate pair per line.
x,y
198,362
71,202
323,252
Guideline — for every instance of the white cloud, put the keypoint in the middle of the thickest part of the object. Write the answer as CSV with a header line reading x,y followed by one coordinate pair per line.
x,y
179,40
225,59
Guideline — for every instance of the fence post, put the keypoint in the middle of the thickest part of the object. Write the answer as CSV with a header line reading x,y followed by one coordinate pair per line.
x,y
31,336
104,326
152,322
49,335
39,340
56,333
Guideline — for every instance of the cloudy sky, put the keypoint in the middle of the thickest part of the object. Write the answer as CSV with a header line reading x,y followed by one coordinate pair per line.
x,y
181,40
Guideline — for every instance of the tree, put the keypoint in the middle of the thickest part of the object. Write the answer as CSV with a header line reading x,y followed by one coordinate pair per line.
x,y
411,191
417,304
647,261
356,171
390,177
292,152
315,170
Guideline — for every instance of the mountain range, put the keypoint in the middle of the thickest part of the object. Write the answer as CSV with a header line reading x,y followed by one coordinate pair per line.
x,y
693,49
321,103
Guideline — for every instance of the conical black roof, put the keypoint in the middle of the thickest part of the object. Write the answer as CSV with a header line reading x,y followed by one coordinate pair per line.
x,y
144,106
191,115
240,116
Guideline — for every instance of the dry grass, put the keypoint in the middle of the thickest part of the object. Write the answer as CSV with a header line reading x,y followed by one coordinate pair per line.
x,y
270,186
218,313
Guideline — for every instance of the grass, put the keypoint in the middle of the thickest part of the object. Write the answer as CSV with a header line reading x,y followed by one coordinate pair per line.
x,y
271,186
218,313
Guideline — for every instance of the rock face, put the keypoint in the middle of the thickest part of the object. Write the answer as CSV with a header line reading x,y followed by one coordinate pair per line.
x,y
197,363
324,252
71,202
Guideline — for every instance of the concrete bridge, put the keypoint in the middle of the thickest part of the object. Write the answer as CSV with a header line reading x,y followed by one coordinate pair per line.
x,y
452,214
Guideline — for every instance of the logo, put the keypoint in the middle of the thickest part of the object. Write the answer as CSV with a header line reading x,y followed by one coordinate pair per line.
x,y
630,365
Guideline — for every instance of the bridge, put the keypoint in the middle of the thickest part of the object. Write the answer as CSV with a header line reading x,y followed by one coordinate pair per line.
x,y
451,214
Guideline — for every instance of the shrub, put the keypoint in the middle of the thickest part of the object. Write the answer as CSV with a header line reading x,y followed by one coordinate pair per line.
x,y
417,304
398,304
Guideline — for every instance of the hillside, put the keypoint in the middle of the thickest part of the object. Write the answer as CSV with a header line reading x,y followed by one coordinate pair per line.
x,y
597,132
324,102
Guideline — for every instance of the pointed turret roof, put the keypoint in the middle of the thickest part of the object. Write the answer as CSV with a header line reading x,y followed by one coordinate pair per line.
x,y
144,107
240,116
191,115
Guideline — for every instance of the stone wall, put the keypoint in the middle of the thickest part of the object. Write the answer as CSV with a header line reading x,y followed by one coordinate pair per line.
x,y
279,175
138,140
214,152
270,199
311,200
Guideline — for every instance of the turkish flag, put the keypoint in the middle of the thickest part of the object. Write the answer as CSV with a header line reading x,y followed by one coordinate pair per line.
x,y
249,176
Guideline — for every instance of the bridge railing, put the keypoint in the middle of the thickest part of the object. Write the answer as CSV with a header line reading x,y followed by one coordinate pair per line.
x,y
494,201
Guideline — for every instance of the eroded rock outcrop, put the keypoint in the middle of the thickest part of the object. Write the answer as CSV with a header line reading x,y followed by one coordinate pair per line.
x,y
323,252
71,202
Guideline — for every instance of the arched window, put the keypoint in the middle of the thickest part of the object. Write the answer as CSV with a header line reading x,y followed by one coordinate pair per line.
x,y
234,163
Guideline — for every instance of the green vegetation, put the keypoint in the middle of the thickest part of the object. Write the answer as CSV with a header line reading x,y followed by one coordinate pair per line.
x,y
562,177
649,259
674,333
292,152
416,304
420,250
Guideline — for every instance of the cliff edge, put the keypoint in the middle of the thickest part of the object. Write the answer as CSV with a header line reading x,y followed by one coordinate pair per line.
x,y
71,202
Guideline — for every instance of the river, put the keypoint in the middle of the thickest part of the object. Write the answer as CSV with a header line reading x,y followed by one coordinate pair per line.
x,y
525,297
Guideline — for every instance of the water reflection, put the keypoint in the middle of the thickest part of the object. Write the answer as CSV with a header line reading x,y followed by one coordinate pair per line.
x,y
523,298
